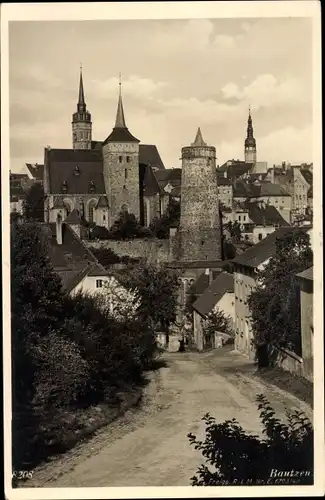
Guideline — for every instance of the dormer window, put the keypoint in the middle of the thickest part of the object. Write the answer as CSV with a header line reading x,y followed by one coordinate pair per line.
x,y
92,187
64,186
76,170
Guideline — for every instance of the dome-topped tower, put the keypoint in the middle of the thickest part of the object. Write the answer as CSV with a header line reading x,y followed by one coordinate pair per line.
x,y
81,121
250,142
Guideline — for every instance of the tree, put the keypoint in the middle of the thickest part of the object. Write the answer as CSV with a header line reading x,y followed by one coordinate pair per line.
x,y
160,226
127,227
275,303
99,232
158,291
234,230
217,321
234,457
33,204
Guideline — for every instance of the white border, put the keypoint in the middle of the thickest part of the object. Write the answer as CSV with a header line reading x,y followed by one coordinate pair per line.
x,y
166,10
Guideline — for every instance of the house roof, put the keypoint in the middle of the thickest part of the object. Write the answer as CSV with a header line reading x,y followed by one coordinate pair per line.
x,y
72,260
307,274
120,134
265,248
308,175
210,297
236,168
149,155
171,176
81,170
36,170
247,189
265,215
223,181
202,283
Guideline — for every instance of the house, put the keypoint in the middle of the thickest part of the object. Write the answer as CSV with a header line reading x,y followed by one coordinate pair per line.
x,y
246,267
17,197
35,172
77,267
225,190
169,181
306,282
218,295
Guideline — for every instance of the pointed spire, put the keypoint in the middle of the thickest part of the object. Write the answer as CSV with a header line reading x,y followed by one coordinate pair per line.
x,y
120,120
250,132
199,139
81,100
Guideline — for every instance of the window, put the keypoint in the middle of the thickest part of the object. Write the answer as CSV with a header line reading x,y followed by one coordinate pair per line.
x,y
104,217
260,236
91,208
120,159
239,217
127,159
126,173
99,283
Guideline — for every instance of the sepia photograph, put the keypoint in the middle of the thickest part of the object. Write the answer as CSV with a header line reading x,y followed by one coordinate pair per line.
x,y
162,209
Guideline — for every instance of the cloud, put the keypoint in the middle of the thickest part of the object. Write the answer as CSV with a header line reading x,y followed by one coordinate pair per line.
x,y
134,85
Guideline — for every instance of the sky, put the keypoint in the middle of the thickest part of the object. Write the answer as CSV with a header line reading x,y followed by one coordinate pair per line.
x,y
177,75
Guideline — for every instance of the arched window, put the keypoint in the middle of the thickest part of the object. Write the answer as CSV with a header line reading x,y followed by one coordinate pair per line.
x,y
91,208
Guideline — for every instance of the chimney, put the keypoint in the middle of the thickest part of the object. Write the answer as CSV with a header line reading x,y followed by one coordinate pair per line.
x,y
59,229
208,272
225,174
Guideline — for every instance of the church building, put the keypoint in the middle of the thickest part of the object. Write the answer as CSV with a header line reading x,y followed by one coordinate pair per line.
x,y
101,179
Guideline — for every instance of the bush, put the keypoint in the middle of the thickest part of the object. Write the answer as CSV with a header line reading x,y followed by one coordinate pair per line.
x,y
127,227
160,226
236,457
100,233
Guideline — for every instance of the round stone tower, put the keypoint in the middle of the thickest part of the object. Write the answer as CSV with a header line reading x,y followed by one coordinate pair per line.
x,y
199,229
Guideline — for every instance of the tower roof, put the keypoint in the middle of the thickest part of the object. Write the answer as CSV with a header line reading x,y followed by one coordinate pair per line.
x,y
250,140
81,100
199,139
120,132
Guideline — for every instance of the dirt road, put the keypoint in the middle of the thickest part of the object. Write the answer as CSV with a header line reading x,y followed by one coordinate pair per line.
x,y
149,445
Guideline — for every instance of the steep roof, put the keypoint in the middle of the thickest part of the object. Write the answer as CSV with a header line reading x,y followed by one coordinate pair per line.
x,y
202,283
102,202
150,183
265,248
75,217
171,176
308,175
308,274
72,260
36,170
243,188
149,155
207,301
266,215
78,169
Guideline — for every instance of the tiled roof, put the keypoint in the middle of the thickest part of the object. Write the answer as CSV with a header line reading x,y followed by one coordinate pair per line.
x,y
72,260
36,170
149,155
246,189
265,248
236,169
78,169
211,296
120,134
172,176
266,215
202,283
308,274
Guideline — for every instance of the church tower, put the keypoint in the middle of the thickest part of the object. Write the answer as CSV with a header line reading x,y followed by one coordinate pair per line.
x,y
121,167
81,121
250,142
199,229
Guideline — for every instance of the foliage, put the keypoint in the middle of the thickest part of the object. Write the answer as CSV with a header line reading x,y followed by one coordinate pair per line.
x,y
158,291
107,257
217,321
127,227
275,303
232,456
120,302
33,204
234,230
160,226
100,233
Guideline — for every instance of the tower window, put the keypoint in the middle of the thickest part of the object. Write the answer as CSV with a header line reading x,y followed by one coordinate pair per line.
x,y
99,283
120,159
128,159
126,173
76,170
64,186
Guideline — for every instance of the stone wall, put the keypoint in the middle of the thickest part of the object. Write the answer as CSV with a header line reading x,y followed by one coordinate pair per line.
x,y
153,250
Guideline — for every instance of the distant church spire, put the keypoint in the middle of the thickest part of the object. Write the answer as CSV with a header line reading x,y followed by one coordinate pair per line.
x,y
81,100
250,142
120,119
199,139
81,121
